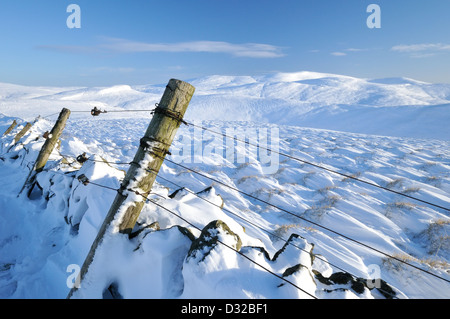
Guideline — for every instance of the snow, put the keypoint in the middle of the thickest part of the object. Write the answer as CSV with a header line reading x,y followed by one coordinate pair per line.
x,y
391,132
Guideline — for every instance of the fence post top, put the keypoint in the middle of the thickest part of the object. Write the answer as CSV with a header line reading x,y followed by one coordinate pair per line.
x,y
182,85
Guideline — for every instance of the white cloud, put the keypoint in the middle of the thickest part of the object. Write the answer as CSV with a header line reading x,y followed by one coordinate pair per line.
x,y
424,47
423,50
249,50
339,53
423,55
355,50
252,50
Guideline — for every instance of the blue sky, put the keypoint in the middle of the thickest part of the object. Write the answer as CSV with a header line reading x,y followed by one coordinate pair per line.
x,y
149,42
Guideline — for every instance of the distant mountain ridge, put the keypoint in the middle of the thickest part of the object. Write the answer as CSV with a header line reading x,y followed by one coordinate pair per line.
x,y
389,106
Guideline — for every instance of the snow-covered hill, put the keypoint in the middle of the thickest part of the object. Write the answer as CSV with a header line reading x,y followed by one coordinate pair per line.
x,y
389,107
45,236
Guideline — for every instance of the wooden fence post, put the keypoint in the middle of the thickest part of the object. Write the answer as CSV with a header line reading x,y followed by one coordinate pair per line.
x,y
52,140
47,148
19,135
142,172
13,125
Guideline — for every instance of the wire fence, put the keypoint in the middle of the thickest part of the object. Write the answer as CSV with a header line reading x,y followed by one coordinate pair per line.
x,y
80,159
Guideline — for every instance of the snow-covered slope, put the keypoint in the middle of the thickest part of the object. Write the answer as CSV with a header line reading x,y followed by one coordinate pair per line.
x,y
44,237
389,107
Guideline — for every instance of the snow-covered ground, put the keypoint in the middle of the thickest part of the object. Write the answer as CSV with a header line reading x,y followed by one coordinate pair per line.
x,y
391,107
391,132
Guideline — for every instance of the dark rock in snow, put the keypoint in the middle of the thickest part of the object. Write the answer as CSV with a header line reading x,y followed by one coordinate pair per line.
x,y
358,285
210,237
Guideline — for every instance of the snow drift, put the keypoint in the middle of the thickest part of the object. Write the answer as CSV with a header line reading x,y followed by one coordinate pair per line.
x,y
46,233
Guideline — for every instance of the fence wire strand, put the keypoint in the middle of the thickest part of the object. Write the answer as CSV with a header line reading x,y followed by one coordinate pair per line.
x,y
255,198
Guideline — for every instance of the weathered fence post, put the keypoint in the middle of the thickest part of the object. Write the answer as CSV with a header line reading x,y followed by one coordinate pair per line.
x,y
19,135
13,125
141,175
47,148
51,141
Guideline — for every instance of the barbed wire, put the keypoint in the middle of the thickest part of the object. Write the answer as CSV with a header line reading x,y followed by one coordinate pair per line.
x,y
268,203
284,210
287,156
303,218
206,200
85,181
320,167
288,242
82,179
